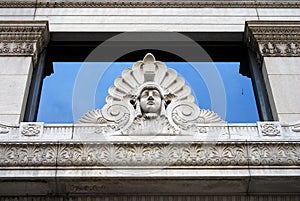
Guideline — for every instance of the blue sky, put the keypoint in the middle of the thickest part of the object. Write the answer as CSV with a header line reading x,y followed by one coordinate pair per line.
x,y
236,105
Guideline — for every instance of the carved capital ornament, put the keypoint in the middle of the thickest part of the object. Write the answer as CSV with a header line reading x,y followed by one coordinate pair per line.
x,y
273,38
24,38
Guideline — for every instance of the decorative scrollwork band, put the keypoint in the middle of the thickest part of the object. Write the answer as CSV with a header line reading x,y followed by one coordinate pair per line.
x,y
155,154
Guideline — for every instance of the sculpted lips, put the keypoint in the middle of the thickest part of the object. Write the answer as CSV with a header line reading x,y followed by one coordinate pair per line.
x,y
150,102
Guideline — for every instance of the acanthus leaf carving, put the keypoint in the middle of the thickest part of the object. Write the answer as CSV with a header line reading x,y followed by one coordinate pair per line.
x,y
154,154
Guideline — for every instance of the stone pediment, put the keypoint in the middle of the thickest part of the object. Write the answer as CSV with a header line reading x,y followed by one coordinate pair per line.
x,y
150,99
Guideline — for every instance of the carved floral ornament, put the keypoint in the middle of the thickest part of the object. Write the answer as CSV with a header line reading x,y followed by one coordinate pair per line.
x,y
150,154
273,38
26,38
150,99
31,129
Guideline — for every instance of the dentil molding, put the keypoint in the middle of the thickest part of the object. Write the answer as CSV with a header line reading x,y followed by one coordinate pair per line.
x,y
23,38
273,38
149,3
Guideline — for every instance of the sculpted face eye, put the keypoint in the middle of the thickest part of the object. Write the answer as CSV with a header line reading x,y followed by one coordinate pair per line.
x,y
145,94
155,93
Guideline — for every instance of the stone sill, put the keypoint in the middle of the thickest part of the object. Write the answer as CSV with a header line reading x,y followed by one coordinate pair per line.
x,y
40,132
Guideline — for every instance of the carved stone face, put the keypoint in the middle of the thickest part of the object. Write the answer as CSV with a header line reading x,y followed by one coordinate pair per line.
x,y
150,100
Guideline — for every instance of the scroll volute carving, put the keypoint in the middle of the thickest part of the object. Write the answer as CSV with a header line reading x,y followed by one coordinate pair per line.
x,y
150,99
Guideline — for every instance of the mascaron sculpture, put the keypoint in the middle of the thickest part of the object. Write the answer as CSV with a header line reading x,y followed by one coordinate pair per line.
x,y
150,99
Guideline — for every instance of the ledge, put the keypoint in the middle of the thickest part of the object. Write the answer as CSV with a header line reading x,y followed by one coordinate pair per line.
x,y
261,144
79,159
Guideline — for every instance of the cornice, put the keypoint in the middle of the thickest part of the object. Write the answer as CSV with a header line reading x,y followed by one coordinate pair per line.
x,y
149,4
273,38
251,145
23,38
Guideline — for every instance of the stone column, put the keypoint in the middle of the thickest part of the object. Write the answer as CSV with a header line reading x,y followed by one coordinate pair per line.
x,y
20,45
277,48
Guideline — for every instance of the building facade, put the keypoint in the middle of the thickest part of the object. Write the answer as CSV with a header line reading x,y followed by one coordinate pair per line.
x,y
223,161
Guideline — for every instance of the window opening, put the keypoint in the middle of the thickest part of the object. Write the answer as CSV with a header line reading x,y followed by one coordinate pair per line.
x,y
57,93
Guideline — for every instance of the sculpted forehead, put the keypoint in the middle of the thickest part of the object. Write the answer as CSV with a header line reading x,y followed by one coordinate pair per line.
x,y
155,92
152,89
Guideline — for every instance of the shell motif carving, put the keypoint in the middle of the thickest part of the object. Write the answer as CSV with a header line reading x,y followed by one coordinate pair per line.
x,y
149,70
150,99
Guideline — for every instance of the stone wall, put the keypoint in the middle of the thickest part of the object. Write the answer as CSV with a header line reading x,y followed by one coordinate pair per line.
x,y
64,160
181,16
20,44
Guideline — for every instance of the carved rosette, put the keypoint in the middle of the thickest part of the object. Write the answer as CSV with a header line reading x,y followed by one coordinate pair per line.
x,y
273,39
24,38
269,128
34,129
175,114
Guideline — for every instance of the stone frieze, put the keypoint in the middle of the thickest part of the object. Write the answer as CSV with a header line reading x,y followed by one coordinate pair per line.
x,y
206,154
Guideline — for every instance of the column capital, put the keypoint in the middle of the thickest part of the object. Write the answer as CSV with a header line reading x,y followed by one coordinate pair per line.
x,y
273,38
23,38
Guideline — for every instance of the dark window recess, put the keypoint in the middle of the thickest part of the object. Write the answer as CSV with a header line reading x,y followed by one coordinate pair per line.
x,y
56,74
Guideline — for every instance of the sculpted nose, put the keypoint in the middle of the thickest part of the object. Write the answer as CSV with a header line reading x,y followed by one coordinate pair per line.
x,y
150,97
